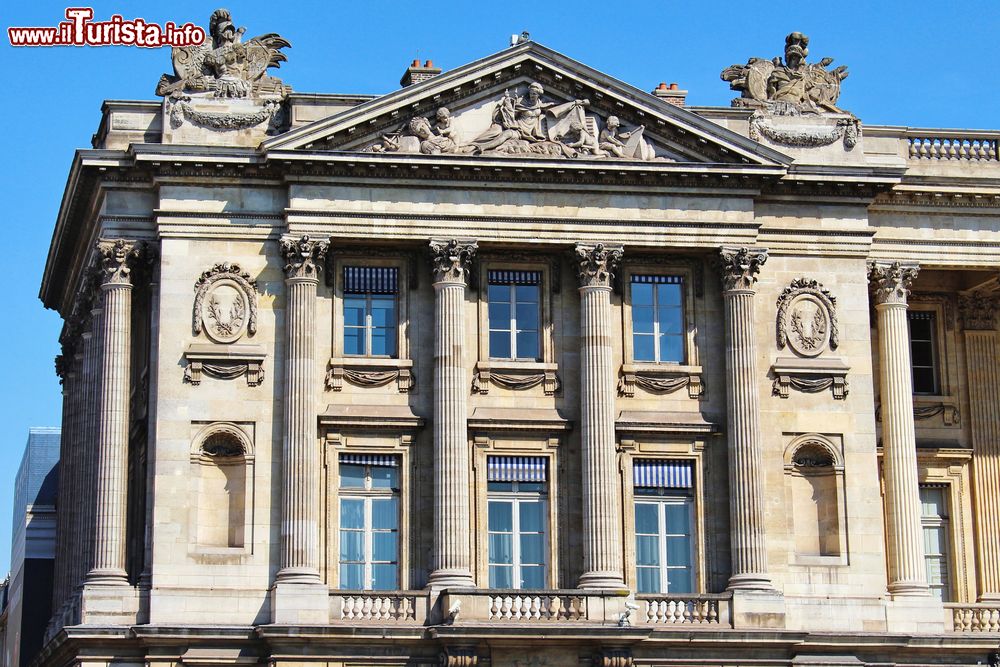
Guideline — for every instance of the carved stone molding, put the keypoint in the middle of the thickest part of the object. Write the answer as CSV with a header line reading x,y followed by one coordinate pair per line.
x,y
810,376
224,363
118,259
180,109
943,299
948,411
452,259
807,318
459,656
597,263
659,381
808,136
370,375
516,379
614,657
303,256
891,281
739,267
225,304
978,311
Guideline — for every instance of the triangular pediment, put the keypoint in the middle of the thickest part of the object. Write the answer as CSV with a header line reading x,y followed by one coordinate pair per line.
x,y
494,109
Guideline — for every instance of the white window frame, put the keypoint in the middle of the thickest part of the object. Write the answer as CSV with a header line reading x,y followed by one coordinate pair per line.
x,y
661,500
935,343
942,523
513,329
367,494
657,356
368,326
515,498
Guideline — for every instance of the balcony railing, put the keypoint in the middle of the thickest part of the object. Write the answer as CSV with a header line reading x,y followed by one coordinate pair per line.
x,y
379,606
540,606
685,610
973,617
953,145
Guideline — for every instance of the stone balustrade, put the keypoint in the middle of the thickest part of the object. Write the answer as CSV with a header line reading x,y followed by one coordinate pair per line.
x,y
684,610
972,617
379,606
952,146
521,606
472,605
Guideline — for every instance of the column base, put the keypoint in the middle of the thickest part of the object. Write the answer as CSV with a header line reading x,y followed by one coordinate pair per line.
x,y
591,580
298,575
908,589
451,578
751,582
758,609
294,603
106,577
104,604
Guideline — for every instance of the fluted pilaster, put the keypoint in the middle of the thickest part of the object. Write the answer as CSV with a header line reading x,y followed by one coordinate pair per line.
x,y
602,523
300,505
891,287
740,267
982,354
451,559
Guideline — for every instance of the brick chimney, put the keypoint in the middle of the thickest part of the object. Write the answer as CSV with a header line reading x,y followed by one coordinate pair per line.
x,y
671,94
416,73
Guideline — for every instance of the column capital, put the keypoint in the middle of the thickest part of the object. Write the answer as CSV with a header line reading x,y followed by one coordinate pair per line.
x,y
303,256
891,281
739,266
597,263
452,259
117,260
978,310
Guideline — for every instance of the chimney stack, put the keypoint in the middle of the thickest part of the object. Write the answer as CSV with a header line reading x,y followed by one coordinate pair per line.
x,y
671,94
416,73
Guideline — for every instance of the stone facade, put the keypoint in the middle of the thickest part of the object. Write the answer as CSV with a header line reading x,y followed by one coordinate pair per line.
x,y
208,269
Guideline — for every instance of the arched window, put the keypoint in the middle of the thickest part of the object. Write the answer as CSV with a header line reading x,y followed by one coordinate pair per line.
x,y
222,464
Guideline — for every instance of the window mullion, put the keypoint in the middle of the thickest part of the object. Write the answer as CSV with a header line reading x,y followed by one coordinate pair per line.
x,y
512,297
516,539
662,516
368,324
367,584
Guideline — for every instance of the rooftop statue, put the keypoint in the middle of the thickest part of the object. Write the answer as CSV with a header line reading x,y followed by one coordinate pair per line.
x,y
792,86
227,67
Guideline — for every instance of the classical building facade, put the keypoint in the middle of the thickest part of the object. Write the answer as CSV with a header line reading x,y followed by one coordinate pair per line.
x,y
521,365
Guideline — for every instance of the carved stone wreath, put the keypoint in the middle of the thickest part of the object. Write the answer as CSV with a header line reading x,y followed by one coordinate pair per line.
x,y
181,110
807,318
848,129
225,304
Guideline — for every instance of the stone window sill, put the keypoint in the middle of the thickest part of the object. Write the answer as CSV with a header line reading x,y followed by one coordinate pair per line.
x,y
370,372
660,379
516,375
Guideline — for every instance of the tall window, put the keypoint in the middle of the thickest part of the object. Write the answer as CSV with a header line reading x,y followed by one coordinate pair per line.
x,y
516,499
664,526
514,314
370,311
658,319
923,351
934,520
369,522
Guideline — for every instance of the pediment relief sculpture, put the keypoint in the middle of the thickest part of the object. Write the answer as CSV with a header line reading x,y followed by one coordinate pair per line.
x,y
521,124
225,304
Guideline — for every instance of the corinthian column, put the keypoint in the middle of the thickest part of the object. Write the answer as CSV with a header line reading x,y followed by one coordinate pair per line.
x,y
602,521
117,260
891,286
300,502
451,560
740,267
982,358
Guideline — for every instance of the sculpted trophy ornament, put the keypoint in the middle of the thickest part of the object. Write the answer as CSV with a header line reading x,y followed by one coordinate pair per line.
x,y
807,318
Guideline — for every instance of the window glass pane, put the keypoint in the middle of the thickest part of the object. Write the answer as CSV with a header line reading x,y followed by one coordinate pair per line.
x,y
642,295
352,476
500,486
383,311
354,341
678,517
923,380
352,576
383,342
533,487
384,577
385,477
500,344
352,545
352,513
385,514
532,549
533,577
501,548
672,349
922,354
499,315
531,517
642,319
649,579
921,329
646,519
933,542
647,550
671,320
679,581
500,517
668,295
932,501
354,311
643,348
498,293
384,547
527,345
501,577
679,551
527,316
526,294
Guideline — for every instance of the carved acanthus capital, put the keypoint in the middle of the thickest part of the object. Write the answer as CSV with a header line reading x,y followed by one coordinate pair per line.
x,y
118,259
63,364
740,266
452,259
303,256
597,263
978,310
891,281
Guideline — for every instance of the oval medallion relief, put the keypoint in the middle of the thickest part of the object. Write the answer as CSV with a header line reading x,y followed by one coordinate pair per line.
x,y
807,325
225,312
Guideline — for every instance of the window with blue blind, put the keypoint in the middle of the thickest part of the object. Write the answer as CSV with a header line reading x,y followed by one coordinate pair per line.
x,y
664,525
517,492
371,304
923,351
514,303
658,331
369,521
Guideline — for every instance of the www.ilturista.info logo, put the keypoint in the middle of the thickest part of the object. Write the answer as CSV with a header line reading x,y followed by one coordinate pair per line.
x,y
80,30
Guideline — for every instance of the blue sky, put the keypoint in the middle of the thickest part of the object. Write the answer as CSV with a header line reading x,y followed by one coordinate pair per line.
x,y
918,63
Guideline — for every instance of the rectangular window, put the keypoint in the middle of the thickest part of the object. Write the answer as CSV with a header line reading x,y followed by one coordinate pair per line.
x,y
658,333
934,520
516,521
923,351
369,522
664,526
370,311
514,314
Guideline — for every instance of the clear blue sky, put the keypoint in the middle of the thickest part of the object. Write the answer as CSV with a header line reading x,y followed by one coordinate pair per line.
x,y
918,63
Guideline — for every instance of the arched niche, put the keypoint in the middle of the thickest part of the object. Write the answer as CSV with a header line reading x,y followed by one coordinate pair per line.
x,y
222,488
814,483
